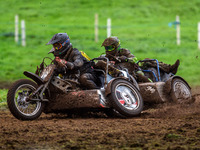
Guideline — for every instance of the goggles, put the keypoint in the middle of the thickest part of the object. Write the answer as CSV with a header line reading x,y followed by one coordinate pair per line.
x,y
110,48
58,46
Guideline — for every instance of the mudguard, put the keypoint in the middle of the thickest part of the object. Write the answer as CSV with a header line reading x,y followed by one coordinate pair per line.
x,y
34,77
169,81
37,79
108,88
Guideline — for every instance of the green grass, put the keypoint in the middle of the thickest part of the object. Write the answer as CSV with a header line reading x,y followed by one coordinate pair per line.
x,y
142,27
3,94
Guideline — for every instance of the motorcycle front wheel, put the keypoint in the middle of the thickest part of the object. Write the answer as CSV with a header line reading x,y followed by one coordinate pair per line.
x,y
126,98
17,100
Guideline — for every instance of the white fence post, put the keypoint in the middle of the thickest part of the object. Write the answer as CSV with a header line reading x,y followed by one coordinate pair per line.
x,y
96,28
198,40
16,29
178,30
108,27
23,33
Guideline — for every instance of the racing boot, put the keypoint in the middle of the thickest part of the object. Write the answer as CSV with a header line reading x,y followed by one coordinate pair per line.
x,y
174,67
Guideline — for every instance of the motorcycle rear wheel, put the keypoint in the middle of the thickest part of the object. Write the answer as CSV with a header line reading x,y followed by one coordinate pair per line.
x,y
125,98
17,103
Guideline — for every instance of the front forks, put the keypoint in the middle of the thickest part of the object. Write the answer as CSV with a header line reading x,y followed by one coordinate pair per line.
x,y
41,89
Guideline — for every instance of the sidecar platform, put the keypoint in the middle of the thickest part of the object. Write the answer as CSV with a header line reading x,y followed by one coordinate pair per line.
x,y
154,92
74,99
151,92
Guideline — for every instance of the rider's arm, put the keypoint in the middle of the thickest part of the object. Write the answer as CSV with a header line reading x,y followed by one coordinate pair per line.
x,y
130,57
78,61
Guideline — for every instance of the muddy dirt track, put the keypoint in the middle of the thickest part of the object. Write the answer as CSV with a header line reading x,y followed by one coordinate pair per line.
x,y
166,126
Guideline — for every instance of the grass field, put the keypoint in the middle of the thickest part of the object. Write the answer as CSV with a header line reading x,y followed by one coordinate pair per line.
x,y
142,27
3,93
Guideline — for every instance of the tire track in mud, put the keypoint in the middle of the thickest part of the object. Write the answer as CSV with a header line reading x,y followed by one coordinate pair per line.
x,y
162,126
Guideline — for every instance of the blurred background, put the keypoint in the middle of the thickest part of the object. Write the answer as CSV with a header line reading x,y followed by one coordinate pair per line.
x,y
147,28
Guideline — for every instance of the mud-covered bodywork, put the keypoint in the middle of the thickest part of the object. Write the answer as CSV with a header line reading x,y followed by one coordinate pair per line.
x,y
74,99
165,87
154,92
160,92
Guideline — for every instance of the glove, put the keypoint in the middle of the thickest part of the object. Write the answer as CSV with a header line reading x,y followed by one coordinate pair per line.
x,y
61,62
123,58
132,60
140,64
112,62
64,63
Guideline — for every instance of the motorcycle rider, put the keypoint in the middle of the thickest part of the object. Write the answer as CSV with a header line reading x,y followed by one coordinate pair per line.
x,y
113,51
72,59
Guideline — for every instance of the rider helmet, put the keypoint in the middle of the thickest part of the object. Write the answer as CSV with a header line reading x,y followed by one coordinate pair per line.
x,y
61,44
111,44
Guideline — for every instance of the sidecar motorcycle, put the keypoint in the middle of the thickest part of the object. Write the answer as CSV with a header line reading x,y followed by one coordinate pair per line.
x,y
50,92
165,87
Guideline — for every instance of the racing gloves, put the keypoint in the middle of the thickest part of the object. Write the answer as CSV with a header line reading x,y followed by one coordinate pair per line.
x,y
64,63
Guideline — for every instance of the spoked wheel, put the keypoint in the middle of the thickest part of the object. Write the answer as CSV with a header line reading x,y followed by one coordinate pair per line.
x,y
125,98
181,92
17,99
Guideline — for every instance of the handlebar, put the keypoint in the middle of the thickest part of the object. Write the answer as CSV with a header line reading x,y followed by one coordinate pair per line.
x,y
147,60
101,58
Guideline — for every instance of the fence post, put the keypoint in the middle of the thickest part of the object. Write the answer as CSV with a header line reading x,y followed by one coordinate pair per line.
x,y
178,30
108,27
198,36
96,28
23,33
16,29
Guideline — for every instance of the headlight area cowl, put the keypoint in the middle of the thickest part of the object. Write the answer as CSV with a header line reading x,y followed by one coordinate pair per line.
x,y
47,72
